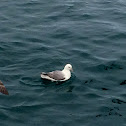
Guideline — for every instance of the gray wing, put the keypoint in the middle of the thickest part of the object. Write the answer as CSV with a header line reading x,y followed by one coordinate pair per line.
x,y
57,75
3,89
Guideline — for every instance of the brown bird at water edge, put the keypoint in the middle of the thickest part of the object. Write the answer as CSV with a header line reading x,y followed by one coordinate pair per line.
x,y
3,89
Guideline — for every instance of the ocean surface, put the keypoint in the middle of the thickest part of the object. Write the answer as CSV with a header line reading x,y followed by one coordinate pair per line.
x,y
41,35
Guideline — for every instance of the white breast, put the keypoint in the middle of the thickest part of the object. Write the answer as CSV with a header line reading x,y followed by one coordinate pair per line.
x,y
67,74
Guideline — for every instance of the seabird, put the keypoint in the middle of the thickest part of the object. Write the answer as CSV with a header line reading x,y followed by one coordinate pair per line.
x,y
58,75
3,89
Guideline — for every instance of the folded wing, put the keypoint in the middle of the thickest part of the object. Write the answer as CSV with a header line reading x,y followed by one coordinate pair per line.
x,y
57,75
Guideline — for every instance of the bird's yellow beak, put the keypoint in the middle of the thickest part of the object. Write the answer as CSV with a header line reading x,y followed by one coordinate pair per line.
x,y
72,69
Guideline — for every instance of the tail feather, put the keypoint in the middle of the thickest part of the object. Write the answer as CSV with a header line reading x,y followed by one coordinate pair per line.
x,y
43,73
45,76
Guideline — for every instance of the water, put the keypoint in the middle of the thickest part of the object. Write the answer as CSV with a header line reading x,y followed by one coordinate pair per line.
x,y
38,36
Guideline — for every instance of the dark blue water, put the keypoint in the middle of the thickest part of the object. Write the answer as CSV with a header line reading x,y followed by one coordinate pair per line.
x,y
38,36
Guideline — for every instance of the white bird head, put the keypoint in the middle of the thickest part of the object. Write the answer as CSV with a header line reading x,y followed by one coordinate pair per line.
x,y
68,67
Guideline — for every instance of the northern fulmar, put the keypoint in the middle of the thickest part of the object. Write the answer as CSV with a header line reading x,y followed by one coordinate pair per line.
x,y
58,75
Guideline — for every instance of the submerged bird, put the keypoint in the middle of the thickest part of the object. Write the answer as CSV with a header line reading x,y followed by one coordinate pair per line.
x,y
58,75
3,89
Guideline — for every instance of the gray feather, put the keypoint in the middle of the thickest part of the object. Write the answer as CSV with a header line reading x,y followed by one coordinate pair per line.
x,y
57,75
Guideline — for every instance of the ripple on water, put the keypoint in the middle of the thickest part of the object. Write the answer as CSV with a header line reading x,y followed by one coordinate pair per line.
x,y
41,36
109,111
